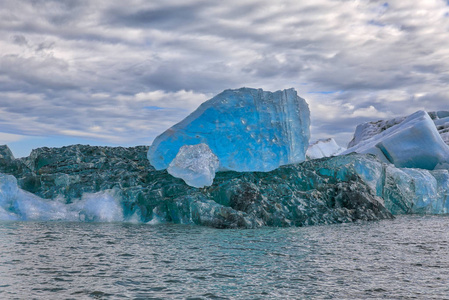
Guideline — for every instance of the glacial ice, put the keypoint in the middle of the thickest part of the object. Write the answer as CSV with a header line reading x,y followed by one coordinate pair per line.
x,y
441,120
195,164
402,167
105,184
17,204
247,129
367,130
323,148
411,143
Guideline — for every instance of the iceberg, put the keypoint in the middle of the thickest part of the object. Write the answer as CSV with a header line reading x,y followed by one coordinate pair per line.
x,y
195,164
441,120
324,148
109,184
369,129
247,129
104,184
411,143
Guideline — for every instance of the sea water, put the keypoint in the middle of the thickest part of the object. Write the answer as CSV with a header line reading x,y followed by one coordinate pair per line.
x,y
404,258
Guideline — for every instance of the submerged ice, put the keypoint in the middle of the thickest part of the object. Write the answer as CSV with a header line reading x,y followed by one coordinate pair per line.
x,y
247,129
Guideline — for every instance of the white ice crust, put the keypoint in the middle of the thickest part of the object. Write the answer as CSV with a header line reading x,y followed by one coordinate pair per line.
x,y
324,148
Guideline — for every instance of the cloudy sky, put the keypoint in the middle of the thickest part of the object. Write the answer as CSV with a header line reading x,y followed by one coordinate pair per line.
x,y
120,72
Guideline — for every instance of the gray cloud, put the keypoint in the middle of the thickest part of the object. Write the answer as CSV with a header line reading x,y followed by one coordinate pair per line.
x,y
122,72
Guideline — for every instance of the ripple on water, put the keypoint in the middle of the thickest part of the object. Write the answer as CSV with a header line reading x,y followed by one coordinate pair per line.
x,y
394,259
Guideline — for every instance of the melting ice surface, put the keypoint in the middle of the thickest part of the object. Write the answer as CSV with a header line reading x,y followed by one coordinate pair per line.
x,y
324,148
17,204
247,129
195,164
323,191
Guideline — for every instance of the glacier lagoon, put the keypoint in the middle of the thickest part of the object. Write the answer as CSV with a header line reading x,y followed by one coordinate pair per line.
x,y
258,140
90,189
403,258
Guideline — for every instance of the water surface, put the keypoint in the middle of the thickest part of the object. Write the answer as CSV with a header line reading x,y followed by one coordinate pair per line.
x,y
405,258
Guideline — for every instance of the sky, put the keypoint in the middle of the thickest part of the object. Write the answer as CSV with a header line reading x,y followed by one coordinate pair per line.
x,y
119,73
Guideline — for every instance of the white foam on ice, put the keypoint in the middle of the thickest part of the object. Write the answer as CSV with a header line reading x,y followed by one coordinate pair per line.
x,y
17,204
100,207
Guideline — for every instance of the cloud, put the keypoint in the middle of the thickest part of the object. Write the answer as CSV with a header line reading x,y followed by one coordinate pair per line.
x,y
121,72
10,138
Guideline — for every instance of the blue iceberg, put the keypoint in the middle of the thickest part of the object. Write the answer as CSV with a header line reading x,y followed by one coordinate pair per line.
x,y
410,143
247,129
105,184
367,130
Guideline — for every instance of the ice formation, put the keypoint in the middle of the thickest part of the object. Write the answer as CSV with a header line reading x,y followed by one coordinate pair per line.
x,y
323,148
441,120
17,204
5,153
411,143
247,129
367,130
109,184
195,164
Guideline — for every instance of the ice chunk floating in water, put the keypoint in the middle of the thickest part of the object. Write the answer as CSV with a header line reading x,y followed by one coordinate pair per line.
x,y
413,143
196,165
247,129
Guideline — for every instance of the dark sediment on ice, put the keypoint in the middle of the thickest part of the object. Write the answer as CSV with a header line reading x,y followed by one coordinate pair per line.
x,y
323,191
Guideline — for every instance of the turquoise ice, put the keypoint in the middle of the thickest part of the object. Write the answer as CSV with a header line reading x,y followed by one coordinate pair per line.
x,y
411,143
79,183
247,129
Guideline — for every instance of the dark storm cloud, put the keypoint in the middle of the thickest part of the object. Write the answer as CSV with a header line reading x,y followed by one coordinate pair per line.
x,y
92,68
